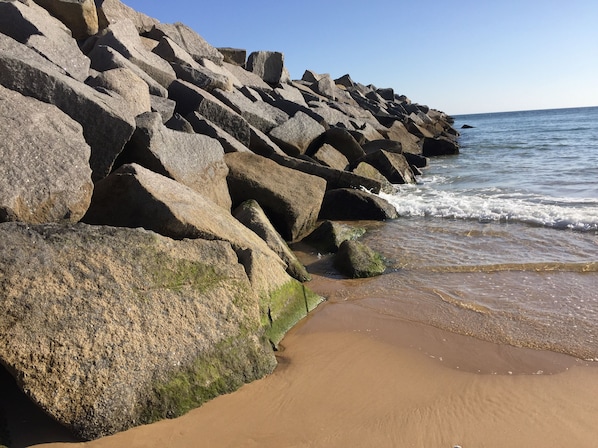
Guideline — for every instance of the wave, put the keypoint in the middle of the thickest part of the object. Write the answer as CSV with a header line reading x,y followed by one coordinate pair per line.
x,y
494,205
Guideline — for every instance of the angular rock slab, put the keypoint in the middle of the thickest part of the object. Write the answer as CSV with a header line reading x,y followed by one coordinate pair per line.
x,y
111,11
346,204
329,235
128,85
107,122
194,160
33,26
295,135
80,16
393,166
44,161
252,216
356,260
107,328
290,198
268,65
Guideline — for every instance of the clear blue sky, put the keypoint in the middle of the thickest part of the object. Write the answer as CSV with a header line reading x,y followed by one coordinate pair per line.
x,y
458,56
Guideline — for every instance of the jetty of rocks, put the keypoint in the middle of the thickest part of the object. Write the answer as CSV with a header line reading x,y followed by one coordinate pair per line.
x,y
150,186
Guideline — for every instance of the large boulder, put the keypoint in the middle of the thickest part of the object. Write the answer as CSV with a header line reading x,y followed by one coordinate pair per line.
x,y
252,216
356,260
296,134
109,328
191,98
124,38
107,122
80,16
104,58
392,165
268,65
192,159
188,40
111,11
33,26
44,159
347,204
128,85
439,147
364,169
235,56
202,125
329,235
290,198
343,141
328,156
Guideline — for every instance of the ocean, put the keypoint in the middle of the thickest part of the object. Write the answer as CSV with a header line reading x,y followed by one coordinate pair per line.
x,y
499,242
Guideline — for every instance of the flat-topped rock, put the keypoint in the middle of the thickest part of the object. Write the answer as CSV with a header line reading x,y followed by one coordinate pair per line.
x,y
296,134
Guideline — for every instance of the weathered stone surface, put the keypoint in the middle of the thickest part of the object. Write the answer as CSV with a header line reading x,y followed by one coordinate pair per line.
x,y
333,117
345,81
268,65
128,85
188,40
356,260
290,198
105,58
33,26
329,235
44,162
290,93
439,147
262,145
191,99
145,328
387,145
124,38
334,178
192,159
107,122
164,106
259,114
387,94
366,170
80,16
409,142
201,125
252,216
325,86
295,135
202,77
247,78
393,166
168,50
111,11
221,70
235,56
347,204
328,156
342,140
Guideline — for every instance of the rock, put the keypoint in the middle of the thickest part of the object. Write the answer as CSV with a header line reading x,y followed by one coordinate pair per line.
x,y
80,16
364,169
346,204
252,216
409,142
415,160
165,107
178,123
328,156
467,126
201,125
393,166
235,56
268,65
128,85
194,160
191,99
259,114
124,38
202,77
262,145
247,78
325,86
387,94
104,58
356,260
342,140
334,178
35,27
107,122
329,235
387,145
111,11
44,159
188,40
439,147
295,135
345,81
109,328
168,50
333,117
291,199
311,76
289,93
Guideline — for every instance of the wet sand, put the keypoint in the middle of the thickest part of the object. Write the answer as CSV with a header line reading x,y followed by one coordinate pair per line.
x,y
351,377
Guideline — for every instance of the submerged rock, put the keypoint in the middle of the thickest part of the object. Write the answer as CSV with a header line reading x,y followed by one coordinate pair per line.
x,y
356,260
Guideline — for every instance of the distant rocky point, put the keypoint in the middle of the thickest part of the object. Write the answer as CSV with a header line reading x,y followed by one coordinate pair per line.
x,y
151,183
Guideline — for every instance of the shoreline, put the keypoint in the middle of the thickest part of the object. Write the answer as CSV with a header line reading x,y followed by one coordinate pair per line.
x,y
348,376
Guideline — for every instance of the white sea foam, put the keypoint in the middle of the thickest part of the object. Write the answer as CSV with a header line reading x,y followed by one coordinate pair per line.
x,y
492,204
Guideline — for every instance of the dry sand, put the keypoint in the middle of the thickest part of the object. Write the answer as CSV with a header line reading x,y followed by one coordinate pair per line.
x,y
349,377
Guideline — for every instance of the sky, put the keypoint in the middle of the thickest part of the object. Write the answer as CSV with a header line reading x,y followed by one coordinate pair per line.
x,y
459,56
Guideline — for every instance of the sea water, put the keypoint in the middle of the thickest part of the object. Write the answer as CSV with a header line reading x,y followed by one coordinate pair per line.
x,y
499,242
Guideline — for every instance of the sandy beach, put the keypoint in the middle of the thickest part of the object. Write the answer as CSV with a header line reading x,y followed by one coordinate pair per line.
x,y
349,376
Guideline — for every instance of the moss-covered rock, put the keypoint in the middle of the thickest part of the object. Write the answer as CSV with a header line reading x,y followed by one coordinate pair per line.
x,y
329,235
356,260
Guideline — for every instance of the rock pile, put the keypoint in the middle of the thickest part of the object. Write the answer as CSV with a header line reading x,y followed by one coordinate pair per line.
x,y
130,291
